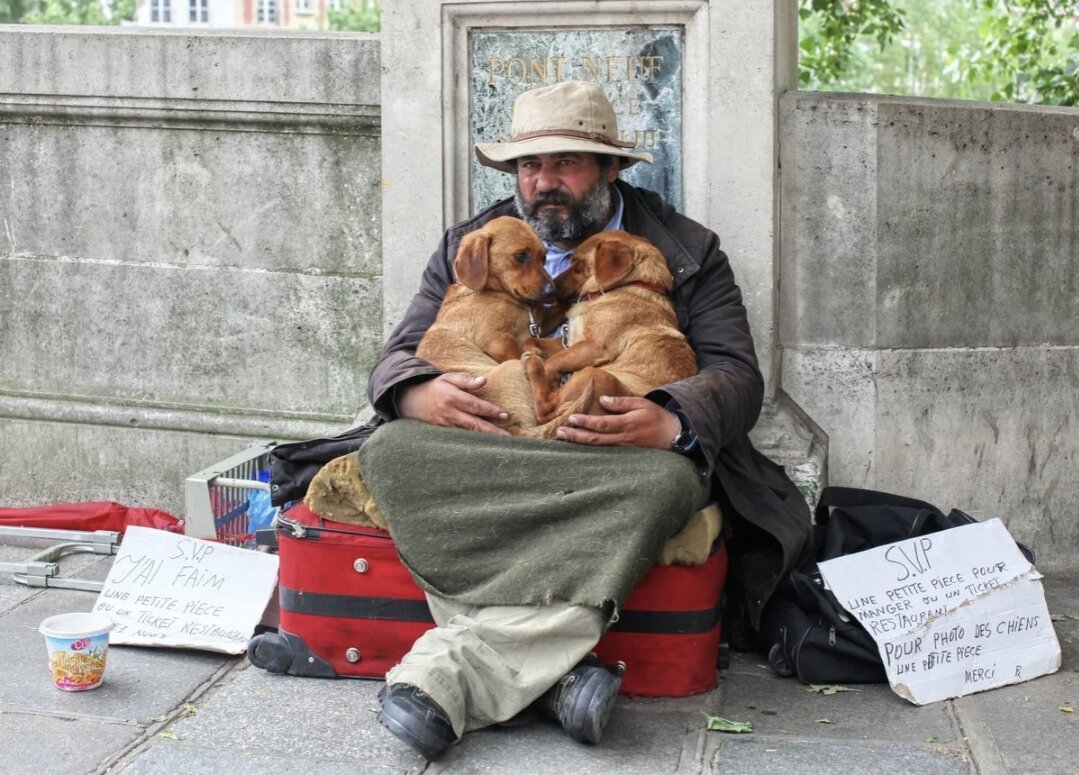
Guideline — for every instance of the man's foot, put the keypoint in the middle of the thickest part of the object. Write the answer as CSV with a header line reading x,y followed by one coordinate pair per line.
x,y
582,699
415,718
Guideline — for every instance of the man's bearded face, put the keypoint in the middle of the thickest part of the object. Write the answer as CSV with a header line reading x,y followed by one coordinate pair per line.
x,y
575,217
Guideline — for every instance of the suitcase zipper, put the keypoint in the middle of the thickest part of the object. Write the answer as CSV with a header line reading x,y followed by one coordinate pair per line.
x,y
291,526
299,530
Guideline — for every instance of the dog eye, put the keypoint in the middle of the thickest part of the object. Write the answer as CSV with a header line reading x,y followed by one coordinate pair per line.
x,y
521,258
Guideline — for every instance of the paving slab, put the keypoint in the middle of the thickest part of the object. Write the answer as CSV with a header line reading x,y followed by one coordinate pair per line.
x,y
258,713
787,707
36,743
1023,728
170,758
643,738
140,683
828,757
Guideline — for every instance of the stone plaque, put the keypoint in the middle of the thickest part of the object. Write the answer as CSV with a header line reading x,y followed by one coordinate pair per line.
x,y
640,69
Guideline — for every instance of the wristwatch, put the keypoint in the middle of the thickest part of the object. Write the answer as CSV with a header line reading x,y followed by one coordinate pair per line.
x,y
686,440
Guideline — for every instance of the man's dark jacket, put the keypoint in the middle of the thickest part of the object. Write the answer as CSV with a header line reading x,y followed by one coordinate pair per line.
x,y
769,520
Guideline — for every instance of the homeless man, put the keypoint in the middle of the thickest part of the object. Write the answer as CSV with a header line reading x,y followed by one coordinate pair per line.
x,y
519,612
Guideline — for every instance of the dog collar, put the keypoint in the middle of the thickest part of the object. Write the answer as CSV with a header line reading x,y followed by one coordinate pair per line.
x,y
639,283
533,326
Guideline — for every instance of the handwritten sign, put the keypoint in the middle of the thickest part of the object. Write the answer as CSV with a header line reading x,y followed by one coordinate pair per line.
x,y
172,590
953,613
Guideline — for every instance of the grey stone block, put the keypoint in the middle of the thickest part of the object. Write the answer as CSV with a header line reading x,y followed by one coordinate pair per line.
x,y
76,462
828,160
977,223
977,429
242,197
308,67
229,341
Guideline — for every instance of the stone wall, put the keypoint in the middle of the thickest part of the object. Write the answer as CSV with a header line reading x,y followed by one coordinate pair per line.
x,y
930,302
190,252
191,259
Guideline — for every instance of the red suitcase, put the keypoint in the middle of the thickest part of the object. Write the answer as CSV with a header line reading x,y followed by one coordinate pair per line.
x,y
350,608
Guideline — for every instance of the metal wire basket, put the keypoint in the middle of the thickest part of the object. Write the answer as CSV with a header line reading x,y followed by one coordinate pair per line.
x,y
217,499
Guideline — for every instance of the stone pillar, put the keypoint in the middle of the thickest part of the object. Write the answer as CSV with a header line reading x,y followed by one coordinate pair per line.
x,y
719,139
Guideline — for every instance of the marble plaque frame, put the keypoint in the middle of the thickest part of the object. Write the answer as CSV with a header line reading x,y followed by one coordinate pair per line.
x,y
691,16
638,68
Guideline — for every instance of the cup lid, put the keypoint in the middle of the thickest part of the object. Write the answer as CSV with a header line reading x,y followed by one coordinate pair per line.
x,y
76,625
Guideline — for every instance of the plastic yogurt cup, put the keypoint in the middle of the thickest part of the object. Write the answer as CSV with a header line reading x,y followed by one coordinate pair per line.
x,y
78,645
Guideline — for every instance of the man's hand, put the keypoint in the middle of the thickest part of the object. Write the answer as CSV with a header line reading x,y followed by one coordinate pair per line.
x,y
448,400
633,422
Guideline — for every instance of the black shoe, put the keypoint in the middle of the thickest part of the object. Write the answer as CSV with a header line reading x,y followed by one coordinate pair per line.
x,y
582,699
414,717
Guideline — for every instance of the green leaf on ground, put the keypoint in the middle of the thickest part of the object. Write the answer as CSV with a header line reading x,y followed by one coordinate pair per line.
x,y
932,740
190,710
159,719
169,734
718,724
1067,709
828,689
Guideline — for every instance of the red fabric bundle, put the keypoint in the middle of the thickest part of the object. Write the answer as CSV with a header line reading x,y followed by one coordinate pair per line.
x,y
101,515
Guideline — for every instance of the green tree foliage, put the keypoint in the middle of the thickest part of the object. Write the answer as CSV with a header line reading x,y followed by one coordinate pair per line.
x,y
1004,50
12,11
358,19
1031,51
830,29
66,11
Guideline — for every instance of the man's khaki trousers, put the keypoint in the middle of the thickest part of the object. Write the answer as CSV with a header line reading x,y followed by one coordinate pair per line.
x,y
485,664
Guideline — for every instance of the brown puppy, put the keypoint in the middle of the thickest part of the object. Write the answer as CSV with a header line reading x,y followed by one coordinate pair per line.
x,y
484,317
487,317
622,334
480,329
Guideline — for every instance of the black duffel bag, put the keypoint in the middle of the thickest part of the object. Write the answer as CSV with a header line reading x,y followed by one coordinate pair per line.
x,y
293,465
804,630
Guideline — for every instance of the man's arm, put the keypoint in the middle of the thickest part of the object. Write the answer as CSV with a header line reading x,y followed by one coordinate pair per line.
x,y
723,401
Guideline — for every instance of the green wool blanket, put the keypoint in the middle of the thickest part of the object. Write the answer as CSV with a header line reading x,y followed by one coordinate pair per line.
x,y
496,520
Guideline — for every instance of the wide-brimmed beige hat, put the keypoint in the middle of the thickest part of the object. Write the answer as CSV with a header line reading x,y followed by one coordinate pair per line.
x,y
571,116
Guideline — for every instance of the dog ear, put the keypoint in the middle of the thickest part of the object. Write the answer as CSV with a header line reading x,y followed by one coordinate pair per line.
x,y
470,265
612,263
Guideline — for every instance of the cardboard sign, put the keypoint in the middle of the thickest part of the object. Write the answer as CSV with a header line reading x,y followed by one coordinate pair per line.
x,y
173,590
953,613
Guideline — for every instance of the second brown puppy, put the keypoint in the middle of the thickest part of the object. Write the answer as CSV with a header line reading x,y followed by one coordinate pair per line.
x,y
622,337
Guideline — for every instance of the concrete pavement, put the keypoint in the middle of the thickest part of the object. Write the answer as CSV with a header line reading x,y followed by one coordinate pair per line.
x,y
160,712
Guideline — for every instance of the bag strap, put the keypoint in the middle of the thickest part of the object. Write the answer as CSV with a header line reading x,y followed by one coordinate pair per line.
x,y
853,496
